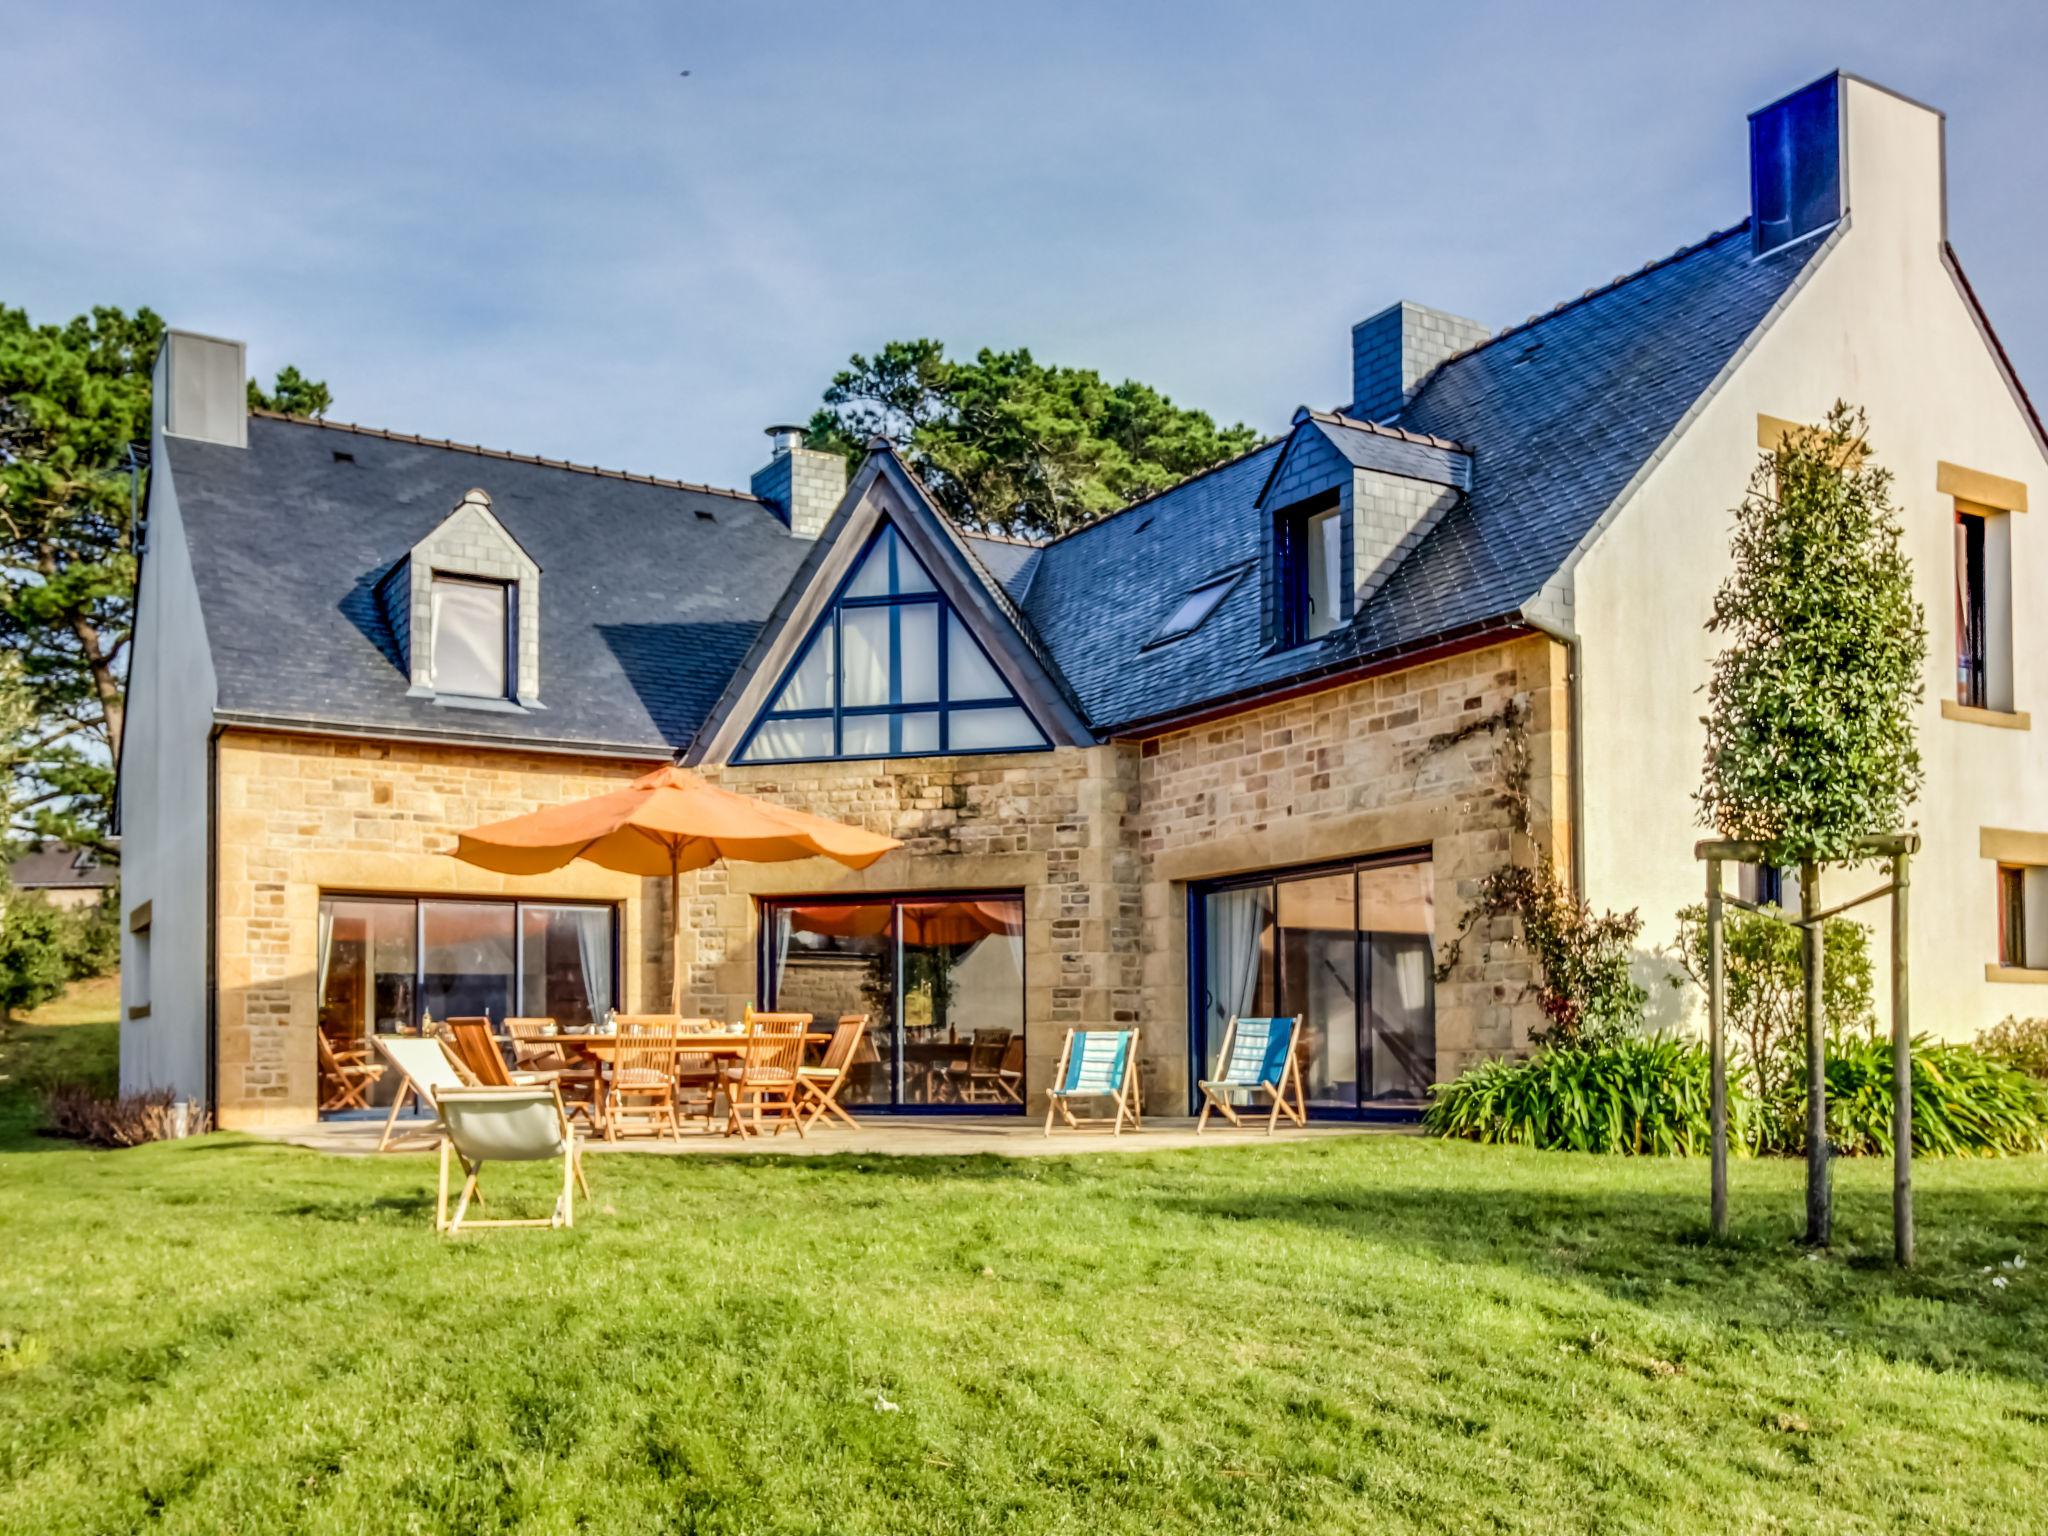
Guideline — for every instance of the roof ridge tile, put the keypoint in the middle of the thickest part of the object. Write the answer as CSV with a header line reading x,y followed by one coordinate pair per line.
x,y
415,440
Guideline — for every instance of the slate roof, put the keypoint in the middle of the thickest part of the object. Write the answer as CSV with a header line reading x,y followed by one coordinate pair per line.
x,y
1558,414
650,591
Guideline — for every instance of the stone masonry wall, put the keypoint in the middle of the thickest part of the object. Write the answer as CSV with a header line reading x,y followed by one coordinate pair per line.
x,y
303,815
1359,769
1102,843
1051,825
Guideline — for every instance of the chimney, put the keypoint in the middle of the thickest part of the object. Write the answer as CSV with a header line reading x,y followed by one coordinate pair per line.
x,y
200,389
1393,351
1844,147
803,485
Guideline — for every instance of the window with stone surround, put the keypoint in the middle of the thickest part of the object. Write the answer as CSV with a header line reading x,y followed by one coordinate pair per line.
x,y
891,670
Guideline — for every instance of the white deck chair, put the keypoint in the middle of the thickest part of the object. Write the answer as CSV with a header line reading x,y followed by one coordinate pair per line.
x,y
506,1125
424,1068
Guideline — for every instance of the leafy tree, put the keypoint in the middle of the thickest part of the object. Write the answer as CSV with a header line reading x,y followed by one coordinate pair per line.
x,y
1007,444
74,403
73,398
293,394
1810,742
1765,985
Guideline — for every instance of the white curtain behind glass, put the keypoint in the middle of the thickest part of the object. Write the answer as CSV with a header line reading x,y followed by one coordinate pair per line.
x,y
469,638
594,945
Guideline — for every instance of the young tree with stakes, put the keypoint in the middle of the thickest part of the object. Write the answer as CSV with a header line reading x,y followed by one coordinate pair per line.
x,y
1811,756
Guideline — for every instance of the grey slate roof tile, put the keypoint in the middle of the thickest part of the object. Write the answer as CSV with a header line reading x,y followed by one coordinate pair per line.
x,y
650,594
1558,415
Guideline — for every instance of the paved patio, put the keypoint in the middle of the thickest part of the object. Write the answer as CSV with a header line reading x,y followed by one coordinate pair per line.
x,y
891,1135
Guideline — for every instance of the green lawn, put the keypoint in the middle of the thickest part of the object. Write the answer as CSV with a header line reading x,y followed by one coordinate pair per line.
x,y
1385,1334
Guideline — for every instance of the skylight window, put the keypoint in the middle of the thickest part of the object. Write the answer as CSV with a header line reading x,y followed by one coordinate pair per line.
x,y
1194,609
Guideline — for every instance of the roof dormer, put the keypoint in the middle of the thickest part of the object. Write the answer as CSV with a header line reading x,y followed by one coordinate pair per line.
x,y
464,607
1346,502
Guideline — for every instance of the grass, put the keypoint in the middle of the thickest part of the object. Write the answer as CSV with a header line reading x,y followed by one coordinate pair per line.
x,y
224,1335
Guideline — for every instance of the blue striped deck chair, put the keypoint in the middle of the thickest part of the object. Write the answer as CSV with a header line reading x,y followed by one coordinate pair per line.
x,y
1257,1057
1096,1064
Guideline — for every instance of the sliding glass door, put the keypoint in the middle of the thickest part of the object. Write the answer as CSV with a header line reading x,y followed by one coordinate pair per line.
x,y
941,979
385,962
1348,947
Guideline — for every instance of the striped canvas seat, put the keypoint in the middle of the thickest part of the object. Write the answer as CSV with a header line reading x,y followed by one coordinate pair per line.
x,y
1258,1057
1258,1054
1096,1063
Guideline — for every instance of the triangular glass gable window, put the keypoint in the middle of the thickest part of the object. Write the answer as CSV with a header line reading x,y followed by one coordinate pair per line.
x,y
891,670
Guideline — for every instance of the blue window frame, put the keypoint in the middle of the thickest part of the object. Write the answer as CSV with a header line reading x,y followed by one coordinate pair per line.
x,y
892,670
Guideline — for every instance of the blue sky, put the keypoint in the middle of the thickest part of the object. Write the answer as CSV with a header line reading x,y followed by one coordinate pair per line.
x,y
522,226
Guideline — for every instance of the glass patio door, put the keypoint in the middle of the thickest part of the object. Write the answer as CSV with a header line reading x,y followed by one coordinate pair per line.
x,y
1349,948
941,979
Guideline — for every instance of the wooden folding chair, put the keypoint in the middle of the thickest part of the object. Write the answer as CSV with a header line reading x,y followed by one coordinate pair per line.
x,y
346,1076
1257,1056
1096,1064
818,1087
982,1081
697,1074
643,1085
475,1045
499,1125
425,1067
538,1054
767,1075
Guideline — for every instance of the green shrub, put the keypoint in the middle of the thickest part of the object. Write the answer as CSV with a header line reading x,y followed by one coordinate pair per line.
x,y
1636,1095
2021,1044
1965,1103
35,945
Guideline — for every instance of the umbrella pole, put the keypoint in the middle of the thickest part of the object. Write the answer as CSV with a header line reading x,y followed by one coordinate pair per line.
x,y
675,917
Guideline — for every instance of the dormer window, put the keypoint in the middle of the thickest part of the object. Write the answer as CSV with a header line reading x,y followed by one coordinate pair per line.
x,y
1310,549
473,637
464,610
891,670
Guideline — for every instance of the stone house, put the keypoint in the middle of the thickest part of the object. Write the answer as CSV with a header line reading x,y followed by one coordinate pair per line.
x,y
1243,747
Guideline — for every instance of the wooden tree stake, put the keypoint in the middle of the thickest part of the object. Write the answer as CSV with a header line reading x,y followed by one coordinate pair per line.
x,y
1820,1205
1902,1074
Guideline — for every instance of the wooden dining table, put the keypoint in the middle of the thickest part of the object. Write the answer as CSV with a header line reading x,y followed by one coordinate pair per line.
x,y
603,1047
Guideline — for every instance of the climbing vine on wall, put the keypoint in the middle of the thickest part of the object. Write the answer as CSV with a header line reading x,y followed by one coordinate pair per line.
x,y
1582,958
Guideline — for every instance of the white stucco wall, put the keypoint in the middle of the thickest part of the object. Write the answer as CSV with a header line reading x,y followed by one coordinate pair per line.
x,y
1881,323
171,695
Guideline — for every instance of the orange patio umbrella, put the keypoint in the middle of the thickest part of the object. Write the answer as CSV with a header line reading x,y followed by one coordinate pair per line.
x,y
664,823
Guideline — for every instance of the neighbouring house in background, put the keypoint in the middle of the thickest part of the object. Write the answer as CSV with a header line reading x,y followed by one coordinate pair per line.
x,y
62,875
1240,748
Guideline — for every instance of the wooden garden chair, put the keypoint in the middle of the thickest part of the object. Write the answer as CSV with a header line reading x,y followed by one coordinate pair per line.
x,y
642,1086
768,1074
539,1054
1010,1076
425,1068
1257,1056
1096,1064
697,1074
506,1125
818,1087
982,1082
476,1046
346,1076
